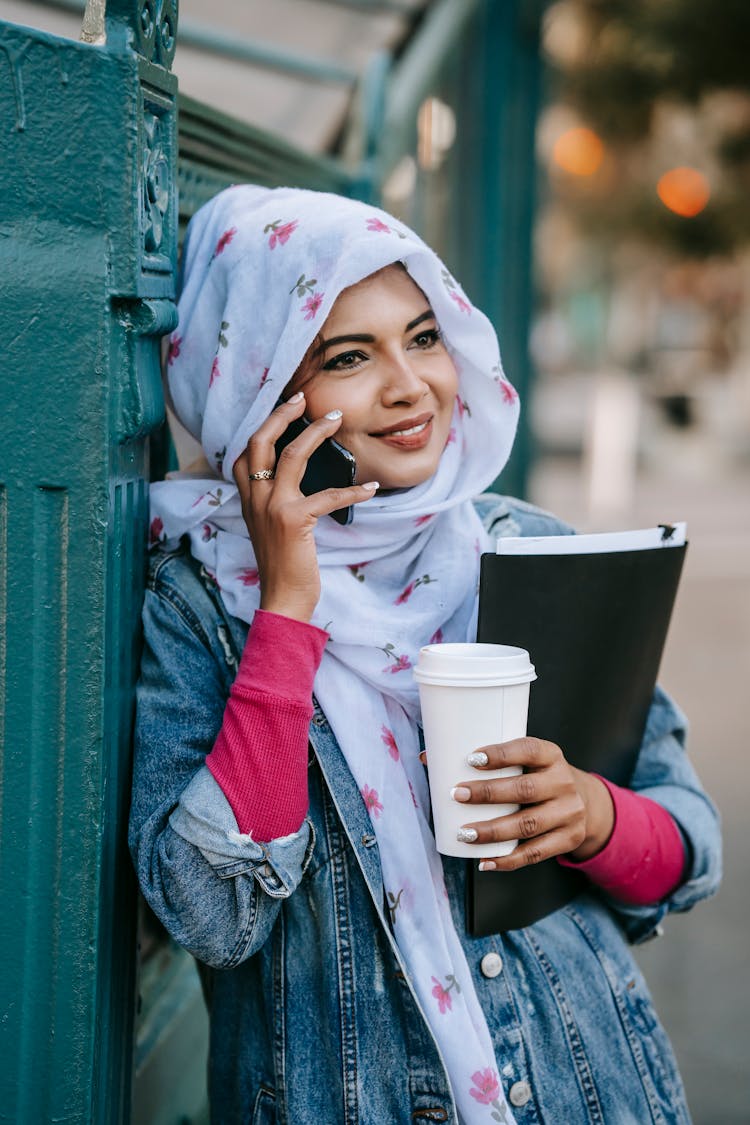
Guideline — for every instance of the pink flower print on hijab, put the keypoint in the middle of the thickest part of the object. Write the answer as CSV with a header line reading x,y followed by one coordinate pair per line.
x,y
486,1090
509,393
387,736
156,531
409,590
442,993
224,241
405,594
305,287
507,390
249,576
463,407
377,225
174,349
215,371
372,801
280,232
462,304
452,287
400,663
312,304
487,1086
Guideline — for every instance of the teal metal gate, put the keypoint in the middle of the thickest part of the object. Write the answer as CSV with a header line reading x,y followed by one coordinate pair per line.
x,y
88,227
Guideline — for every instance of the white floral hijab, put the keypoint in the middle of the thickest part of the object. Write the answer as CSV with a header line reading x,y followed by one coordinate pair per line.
x,y
261,271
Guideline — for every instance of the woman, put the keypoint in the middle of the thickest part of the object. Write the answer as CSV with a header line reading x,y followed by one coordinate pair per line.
x,y
342,984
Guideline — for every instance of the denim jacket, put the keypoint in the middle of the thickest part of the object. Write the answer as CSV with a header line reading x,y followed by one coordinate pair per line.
x,y
313,1015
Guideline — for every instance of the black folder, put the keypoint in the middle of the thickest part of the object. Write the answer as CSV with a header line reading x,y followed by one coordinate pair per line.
x,y
594,626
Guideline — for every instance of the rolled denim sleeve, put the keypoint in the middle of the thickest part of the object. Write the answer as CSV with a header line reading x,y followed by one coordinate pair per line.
x,y
216,891
204,818
665,774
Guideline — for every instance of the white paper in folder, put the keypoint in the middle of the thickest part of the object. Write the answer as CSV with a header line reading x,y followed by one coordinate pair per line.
x,y
664,535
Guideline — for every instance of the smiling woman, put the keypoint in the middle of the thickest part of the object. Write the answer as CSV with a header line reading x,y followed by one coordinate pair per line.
x,y
307,881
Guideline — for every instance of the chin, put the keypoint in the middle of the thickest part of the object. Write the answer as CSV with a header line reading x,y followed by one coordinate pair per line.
x,y
403,477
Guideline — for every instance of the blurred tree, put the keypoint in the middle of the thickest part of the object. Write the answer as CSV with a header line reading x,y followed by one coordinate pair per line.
x,y
663,83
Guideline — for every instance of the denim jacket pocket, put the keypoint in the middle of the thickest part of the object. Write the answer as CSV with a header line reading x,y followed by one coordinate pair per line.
x,y
648,1042
264,1110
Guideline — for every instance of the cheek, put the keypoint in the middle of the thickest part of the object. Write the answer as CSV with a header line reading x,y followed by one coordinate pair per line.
x,y
320,397
352,396
449,380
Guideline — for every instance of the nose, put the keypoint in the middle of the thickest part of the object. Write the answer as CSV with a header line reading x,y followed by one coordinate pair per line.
x,y
402,381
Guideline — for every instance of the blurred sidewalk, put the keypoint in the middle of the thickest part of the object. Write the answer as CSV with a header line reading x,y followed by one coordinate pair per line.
x,y
698,971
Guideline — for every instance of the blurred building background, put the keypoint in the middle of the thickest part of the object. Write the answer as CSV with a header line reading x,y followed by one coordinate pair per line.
x,y
641,409
633,362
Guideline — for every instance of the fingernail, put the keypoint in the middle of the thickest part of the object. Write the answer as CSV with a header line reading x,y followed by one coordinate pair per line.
x,y
487,865
297,397
423,757
372,485
466,835
333,415
478,758
460,793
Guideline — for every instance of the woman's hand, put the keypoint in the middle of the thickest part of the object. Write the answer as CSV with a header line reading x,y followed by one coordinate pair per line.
x,y
564,810
280,520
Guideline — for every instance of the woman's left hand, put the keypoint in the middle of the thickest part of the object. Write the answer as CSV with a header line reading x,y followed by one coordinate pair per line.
x,y
564,810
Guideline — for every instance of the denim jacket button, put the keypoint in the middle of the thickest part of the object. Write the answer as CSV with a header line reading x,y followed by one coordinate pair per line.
x,y
491,965
519,1094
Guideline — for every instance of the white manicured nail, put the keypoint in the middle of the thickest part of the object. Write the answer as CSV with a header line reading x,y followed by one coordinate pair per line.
x,y
466,835
478,758
333,415
296,397
487,865
372,485
460,793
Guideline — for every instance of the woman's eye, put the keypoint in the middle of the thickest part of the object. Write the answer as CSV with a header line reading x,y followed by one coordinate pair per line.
x,y
428,338
344,361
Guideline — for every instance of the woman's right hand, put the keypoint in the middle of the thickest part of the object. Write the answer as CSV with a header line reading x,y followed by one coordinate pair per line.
x,y
279,518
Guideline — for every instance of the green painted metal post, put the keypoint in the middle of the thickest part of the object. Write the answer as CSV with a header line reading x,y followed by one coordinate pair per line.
x,y
494,188
87,247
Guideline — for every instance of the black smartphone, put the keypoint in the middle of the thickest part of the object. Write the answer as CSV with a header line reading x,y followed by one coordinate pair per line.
x,y
329,466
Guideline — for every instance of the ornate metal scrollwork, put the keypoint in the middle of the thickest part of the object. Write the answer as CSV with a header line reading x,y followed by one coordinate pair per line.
x,y
156,181
156,31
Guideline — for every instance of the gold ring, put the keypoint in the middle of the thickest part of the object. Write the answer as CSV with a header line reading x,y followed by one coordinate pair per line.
x,y
264,474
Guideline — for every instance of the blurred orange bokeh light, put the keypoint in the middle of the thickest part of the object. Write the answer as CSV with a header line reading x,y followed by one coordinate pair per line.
x,y
684,191
578,151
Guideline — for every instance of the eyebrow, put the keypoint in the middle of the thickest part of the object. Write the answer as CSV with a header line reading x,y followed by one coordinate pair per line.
x,y
364,338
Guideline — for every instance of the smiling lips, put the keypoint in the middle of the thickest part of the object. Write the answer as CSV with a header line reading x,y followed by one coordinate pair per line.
x,y
412,433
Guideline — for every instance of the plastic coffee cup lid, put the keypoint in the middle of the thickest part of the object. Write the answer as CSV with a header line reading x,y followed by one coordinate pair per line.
x,y
473,665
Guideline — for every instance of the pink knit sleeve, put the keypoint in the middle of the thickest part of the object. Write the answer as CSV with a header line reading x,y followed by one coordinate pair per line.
x,y
644,858
260,755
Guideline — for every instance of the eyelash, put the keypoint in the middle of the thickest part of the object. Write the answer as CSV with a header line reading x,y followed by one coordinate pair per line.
x,y
336,363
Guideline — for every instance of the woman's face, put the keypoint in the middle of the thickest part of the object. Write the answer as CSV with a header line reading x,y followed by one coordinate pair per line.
x,y
380,360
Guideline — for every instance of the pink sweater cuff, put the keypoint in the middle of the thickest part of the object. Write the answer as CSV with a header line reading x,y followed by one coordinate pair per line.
x,y
644,858
260,755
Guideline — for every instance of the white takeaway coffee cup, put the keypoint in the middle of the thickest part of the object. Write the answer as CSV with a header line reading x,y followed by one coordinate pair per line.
x,y
471,695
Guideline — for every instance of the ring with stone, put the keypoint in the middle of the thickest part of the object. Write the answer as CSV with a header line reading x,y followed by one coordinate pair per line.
x,y
264,474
